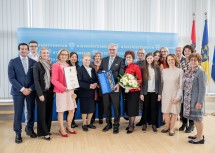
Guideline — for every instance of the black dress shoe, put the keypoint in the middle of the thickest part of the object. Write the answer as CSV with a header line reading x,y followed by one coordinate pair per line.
x,y
154,129
18,138
74,125
100,121
130,129
85,128
115,129
91,126
189,129
47,138
144,128
127,128
182,127
30,133
107,127
126,118
197,142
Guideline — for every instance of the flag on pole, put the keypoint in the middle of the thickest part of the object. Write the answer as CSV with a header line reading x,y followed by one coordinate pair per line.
x,y
193,33
205,51
213,67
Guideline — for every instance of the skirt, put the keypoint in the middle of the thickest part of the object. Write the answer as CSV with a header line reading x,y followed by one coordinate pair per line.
x,y
87,105
195,114
65,102
132,103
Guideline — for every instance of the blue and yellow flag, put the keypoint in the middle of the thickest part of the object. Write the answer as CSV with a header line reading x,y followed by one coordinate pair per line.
x,y
213,67
205,51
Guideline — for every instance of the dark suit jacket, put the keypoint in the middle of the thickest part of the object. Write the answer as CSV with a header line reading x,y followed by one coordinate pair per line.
x,y
85,80
157,83
17,76
117,67
39,81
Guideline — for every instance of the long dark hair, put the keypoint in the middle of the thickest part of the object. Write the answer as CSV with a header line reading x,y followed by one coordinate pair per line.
x,y
70,55
146,75
154,54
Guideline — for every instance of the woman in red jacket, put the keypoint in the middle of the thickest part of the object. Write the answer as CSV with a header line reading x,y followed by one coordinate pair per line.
x,y
64,98
132,97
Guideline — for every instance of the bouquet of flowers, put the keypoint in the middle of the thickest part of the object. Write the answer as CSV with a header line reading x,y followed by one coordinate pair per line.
x,y
128,82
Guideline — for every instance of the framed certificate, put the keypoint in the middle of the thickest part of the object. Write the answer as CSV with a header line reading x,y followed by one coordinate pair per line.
x,y
71,77
107,82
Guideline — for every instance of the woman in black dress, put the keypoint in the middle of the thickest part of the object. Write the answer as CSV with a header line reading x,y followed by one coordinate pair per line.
x,y
88,82
45,94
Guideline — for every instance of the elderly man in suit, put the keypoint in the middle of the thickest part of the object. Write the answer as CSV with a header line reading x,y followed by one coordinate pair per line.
x,y
117,66
20,74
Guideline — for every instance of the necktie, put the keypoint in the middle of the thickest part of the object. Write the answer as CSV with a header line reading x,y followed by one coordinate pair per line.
x,y
110,63
24,63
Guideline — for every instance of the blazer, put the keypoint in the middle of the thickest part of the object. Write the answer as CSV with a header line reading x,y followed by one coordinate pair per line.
x,y
17,76
198,88
39,81
157,82
58,78
117,67
85,80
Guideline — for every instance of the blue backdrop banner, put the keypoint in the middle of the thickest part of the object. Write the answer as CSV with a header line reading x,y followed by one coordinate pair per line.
x,y
91,41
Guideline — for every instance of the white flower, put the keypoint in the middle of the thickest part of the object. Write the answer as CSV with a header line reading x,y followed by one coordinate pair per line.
x,y
131,77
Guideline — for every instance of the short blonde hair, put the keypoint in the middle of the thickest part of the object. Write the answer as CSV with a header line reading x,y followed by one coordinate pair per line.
x,y
44,48
59,52
97,53
86,55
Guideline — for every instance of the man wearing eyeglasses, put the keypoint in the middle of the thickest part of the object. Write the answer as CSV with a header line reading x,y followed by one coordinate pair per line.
x,y
117,65
33,47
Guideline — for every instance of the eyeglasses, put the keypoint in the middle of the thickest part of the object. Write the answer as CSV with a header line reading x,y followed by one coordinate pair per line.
x,y
128,57
112,49
163,51
193,60
171,60
64,54
32,46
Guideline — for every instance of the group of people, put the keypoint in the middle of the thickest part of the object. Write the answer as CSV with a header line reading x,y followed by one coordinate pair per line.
x,y
174,83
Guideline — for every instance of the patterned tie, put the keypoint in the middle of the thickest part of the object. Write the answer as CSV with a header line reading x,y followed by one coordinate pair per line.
x,y
24,63
110,63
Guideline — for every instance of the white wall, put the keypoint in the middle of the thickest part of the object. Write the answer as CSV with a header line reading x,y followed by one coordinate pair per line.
x,y
116,15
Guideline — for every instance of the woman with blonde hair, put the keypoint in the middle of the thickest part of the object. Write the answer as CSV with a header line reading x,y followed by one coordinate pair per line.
x,y
45,94
64,99
88,82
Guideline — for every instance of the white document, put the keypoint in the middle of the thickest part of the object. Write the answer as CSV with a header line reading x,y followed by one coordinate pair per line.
x,y
71,77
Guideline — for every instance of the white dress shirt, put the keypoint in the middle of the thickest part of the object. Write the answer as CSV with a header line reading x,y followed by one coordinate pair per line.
x,y
88,70
151,82
33,56
26,58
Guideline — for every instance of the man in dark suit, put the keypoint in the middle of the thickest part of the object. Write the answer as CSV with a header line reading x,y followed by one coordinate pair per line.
x,y
20,74
117,66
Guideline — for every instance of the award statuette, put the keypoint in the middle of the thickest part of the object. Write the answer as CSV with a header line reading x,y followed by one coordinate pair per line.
x,y
71,77
107,82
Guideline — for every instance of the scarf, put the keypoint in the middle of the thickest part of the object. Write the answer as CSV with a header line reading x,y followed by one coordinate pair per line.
x,y
47,77
188,83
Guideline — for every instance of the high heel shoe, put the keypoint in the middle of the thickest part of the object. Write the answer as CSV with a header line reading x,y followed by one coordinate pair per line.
x,y
130,129
74,132
164,131
63,135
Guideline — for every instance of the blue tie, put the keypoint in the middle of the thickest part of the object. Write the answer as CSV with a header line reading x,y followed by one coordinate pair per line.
x,y
24,63
110,63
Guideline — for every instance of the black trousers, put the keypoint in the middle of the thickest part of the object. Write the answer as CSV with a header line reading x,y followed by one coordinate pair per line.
x,y
114,99
44,113
76,92
100,108
183,119
150,103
